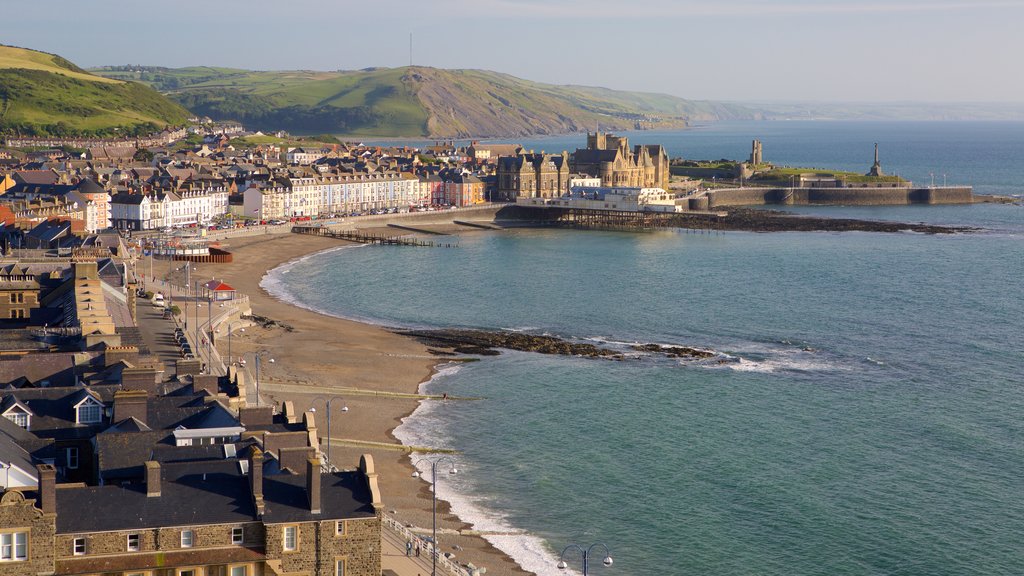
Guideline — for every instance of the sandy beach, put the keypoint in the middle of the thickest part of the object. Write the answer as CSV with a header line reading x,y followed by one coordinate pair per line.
x,y
372,369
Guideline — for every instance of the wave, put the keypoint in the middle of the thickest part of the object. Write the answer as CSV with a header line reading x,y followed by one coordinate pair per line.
x,y
425,427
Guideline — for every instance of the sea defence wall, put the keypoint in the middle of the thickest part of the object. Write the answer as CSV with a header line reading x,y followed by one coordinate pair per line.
x,y
840,196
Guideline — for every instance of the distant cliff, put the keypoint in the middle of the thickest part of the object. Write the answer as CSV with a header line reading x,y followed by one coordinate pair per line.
x,y
416,102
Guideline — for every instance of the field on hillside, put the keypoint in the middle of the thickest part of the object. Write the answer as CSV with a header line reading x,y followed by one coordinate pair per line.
x,y
45,95
11,57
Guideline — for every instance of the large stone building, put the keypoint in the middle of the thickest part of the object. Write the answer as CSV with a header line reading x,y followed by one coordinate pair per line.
x,y
609,157
208,518
532,175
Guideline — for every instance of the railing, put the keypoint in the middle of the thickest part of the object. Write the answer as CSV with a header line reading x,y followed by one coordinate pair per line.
x,y
443,562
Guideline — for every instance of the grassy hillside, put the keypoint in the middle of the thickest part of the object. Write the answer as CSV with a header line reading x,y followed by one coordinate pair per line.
x,y
45,95
417,101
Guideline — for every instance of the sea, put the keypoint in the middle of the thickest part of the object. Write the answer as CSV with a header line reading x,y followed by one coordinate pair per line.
x,y
863,413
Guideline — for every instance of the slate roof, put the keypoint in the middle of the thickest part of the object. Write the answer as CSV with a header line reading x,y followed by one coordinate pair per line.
x,y
89,186
122,455
207,493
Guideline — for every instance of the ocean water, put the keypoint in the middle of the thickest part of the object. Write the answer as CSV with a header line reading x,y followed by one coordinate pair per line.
x,y
862,415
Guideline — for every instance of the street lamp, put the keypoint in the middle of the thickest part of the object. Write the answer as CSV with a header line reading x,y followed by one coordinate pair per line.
x,y
257,357
433,491
607,561
230,324
327,402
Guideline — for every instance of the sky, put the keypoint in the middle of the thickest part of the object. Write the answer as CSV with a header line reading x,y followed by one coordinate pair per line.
x,y
726,50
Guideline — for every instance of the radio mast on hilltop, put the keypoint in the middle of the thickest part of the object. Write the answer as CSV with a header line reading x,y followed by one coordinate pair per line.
x,y
410,49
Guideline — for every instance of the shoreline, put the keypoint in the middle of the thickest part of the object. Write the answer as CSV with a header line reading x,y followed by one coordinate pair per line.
x,y
378,374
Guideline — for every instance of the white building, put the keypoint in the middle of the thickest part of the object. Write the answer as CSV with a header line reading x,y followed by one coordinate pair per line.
x,y
163,209
339,194
612,198
304,156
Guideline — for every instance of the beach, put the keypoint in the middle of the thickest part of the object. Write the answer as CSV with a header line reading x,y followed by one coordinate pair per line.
x,y
374,371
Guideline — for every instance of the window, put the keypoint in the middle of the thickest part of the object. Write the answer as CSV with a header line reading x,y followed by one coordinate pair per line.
x,y
19,418
237,535
339,567
71,458
187,538
14,298
90,413
187,572
340,528
239,571
133,542
289,541
13,546
78,546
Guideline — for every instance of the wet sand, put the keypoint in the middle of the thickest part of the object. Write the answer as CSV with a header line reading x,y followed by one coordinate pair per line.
x,y
325,356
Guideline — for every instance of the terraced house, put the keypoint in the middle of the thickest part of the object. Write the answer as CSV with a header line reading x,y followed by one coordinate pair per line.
x,y
227,517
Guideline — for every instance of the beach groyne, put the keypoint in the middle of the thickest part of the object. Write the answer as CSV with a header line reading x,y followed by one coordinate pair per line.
x,y
844,196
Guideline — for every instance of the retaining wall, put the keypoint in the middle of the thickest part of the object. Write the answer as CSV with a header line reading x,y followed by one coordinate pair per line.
x,y
840,196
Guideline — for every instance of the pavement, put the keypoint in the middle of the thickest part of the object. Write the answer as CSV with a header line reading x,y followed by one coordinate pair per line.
x,y
392,557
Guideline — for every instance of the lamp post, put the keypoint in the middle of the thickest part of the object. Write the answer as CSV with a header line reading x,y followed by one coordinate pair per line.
x,y
230,324
327,403
433,491
257,358
585,552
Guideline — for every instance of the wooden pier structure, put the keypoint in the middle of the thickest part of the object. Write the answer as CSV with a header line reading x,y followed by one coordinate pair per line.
x,y
355,236
589,219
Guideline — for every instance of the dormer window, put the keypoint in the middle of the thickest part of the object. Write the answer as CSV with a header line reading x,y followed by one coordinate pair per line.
x,y
19,414
90,411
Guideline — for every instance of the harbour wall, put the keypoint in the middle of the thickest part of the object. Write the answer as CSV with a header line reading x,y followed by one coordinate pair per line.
x,y
839,196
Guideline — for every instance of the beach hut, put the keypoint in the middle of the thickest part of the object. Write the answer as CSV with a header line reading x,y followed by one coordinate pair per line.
x,y
219,291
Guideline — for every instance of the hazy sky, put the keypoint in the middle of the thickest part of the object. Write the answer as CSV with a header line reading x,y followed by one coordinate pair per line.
x,y
812,50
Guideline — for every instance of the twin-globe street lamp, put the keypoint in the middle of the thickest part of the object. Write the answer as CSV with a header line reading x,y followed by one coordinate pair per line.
x,y
327,403
607,561
433,491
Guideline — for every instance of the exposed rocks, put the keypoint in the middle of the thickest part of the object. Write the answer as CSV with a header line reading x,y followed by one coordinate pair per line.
x,y
265,322
675,351
758,220
481,342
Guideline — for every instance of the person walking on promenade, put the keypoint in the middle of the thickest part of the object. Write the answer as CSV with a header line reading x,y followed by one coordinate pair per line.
x,y
417,549
408,547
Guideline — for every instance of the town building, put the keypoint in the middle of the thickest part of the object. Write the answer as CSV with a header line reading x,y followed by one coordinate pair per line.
x,y
609,158
532,175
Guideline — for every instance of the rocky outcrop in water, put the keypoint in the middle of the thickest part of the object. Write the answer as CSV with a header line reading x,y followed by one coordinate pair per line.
x,y
483,343
757,220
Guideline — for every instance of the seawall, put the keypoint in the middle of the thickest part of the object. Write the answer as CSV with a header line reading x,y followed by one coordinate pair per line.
x,y
840,196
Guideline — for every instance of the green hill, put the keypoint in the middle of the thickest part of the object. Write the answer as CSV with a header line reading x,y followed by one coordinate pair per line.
x,y
45,95
415,101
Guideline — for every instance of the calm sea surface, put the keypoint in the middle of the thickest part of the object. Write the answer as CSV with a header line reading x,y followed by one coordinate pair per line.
x,y
864,416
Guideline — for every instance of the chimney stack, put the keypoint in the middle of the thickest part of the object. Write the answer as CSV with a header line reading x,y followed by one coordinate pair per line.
x,y
152,478
256,479
313,484
131,404
47,488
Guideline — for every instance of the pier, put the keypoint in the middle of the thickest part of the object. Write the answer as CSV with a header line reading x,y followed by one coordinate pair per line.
x,y
589,219
356,236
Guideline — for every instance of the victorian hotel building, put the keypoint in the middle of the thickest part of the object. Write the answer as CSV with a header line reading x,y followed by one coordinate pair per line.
x,y
342,194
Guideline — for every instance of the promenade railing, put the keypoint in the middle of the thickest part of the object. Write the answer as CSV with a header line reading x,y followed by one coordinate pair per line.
x,y
449,565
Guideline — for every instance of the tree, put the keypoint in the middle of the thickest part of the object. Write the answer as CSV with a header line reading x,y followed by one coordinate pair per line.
x,y
143,155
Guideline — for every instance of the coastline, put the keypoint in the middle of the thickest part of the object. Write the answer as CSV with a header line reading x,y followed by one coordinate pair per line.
x,y
376,372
